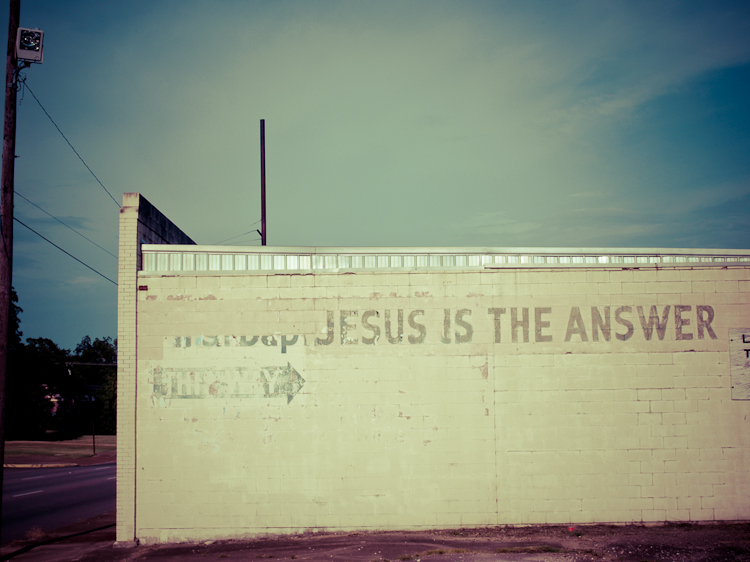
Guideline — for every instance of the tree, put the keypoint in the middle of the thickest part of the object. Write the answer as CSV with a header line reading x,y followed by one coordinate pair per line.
x,y
14,323
99,403
99,351
48,388
27,409
36,376
107,399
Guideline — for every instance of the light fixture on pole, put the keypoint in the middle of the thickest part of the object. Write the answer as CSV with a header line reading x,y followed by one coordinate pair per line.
x,y
29,45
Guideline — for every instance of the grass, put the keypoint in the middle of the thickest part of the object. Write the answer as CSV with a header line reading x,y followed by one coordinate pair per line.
x,y
73,448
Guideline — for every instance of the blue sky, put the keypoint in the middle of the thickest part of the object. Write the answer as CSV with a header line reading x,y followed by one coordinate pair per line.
x,y
420,123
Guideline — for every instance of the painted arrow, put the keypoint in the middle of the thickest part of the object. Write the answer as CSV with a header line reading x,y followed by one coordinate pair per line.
x,y
232,382
285,381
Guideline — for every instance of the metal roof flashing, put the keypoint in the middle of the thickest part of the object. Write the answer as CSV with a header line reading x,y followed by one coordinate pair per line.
x,y
191,259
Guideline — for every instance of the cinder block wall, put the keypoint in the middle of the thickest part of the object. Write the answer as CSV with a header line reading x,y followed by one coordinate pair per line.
x,y
381,400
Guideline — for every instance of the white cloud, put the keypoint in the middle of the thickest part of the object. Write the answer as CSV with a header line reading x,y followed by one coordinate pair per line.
x,y
86,281
493,223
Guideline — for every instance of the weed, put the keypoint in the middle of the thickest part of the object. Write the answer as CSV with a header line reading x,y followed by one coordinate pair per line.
x,y
437,551
35,533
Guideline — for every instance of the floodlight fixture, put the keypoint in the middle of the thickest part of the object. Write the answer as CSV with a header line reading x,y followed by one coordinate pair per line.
x,y
29,45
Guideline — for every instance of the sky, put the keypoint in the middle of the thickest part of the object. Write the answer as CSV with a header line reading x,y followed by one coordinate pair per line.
x,y
408,123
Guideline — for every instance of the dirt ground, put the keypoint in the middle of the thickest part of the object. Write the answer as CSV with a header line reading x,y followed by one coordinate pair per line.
x,y
602,543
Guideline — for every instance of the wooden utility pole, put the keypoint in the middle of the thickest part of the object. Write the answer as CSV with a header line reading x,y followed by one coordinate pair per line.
x,y
263,182
6,213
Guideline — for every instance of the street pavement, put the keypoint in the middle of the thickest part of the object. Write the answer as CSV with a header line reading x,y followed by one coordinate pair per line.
x,y
40,500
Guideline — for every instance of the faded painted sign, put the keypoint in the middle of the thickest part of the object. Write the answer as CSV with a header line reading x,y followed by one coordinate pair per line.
x,y
739,362
507,325
239,382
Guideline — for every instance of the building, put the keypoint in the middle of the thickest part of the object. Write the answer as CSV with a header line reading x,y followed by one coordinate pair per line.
x,y
269,390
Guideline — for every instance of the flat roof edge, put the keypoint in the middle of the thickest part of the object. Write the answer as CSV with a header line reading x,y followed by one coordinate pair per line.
x,y
439,250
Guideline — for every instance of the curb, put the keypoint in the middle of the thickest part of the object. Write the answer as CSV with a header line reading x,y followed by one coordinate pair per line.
x,y
40,465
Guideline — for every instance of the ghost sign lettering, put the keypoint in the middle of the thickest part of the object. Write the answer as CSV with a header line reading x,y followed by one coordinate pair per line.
x,y
739,362
508,325
385,327
275,382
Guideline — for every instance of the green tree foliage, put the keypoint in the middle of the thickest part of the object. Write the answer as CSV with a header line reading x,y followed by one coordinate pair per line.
x,y
48,388
33,369
100,384
14,324
44,367
107,398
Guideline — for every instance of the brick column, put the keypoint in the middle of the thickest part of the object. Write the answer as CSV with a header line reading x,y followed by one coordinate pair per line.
x,y
126,368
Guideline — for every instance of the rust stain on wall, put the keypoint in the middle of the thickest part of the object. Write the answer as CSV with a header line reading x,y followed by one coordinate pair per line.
x,y
484,369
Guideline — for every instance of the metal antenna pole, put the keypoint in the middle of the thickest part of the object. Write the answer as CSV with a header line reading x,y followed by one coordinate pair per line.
x,y
263,181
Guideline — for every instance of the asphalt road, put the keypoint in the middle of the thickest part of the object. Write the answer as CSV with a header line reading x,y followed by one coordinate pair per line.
x,y
50,498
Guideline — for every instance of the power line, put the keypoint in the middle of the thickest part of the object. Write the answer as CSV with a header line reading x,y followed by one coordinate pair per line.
x,y
59,248
67,225
233,237
23,80
251,240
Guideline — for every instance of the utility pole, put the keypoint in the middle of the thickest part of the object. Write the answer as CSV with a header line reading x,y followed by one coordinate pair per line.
x,y
6,213
263,182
